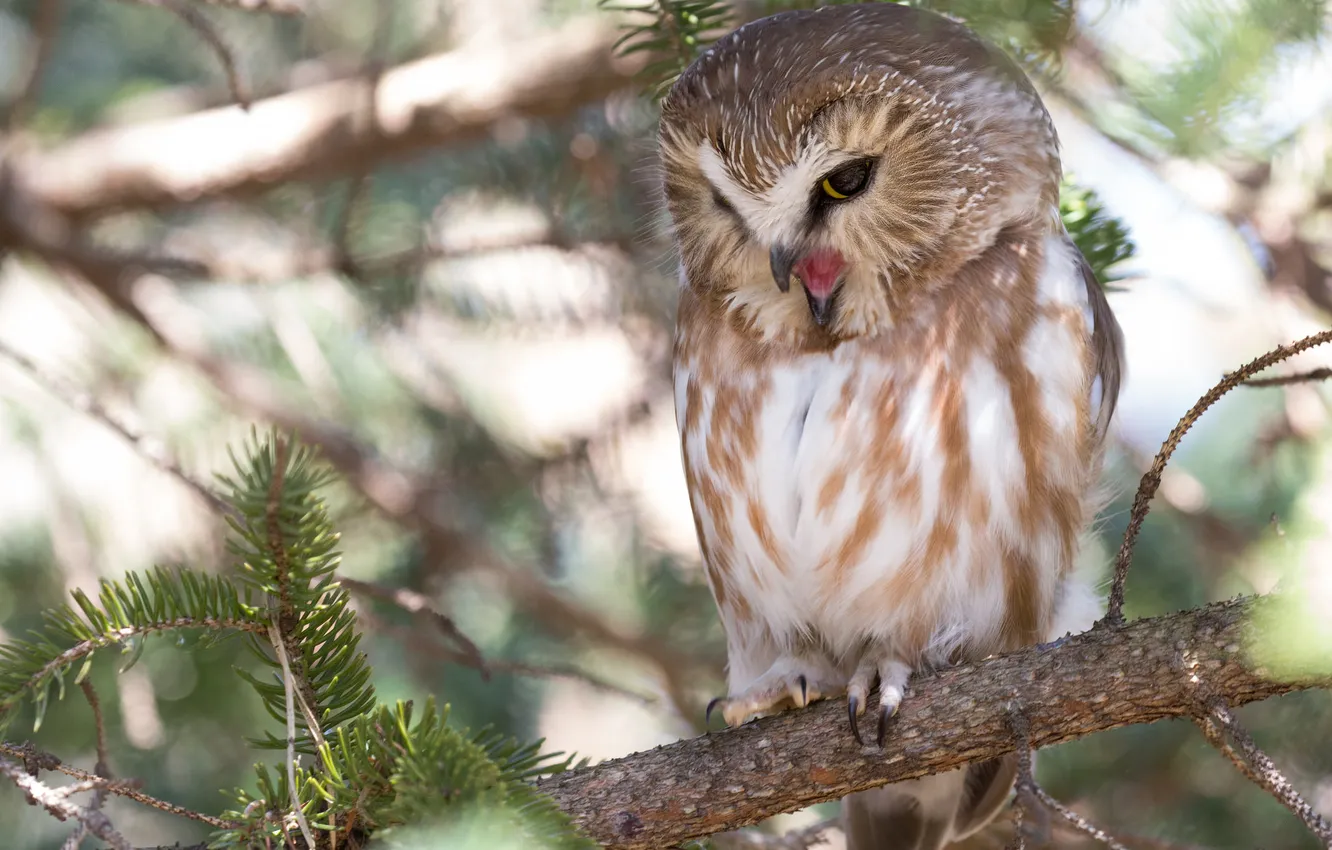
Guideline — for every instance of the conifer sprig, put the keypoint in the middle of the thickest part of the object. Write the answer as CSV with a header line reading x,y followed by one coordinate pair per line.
x,y
123,615
673,32
1103,239
394,775
287,548
370,769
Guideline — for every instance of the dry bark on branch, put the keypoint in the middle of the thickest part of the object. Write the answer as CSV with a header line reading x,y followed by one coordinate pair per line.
x,y
330,129
1101,680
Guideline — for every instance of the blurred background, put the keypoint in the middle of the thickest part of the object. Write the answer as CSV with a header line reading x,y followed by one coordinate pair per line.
x,y
461,288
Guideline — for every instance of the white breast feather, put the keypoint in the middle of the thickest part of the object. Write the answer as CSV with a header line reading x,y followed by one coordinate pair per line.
x,y
800,443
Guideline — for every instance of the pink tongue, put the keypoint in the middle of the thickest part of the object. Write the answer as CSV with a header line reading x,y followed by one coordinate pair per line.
x,y
820,271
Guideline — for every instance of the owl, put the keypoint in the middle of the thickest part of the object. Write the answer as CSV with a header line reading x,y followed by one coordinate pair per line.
x,y
893,372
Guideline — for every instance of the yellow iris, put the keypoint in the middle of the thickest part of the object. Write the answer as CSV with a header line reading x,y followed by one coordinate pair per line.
x,y
831,192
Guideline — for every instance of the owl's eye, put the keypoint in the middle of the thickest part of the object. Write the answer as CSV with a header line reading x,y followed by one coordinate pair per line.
x,y
846,181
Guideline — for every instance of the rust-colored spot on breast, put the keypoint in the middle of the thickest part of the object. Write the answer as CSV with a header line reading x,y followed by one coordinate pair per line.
x,y
1024,611
693,405
832,488
950,420
853,546
758,521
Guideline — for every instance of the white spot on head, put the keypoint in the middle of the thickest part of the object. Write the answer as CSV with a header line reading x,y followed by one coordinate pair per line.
x,y
779,213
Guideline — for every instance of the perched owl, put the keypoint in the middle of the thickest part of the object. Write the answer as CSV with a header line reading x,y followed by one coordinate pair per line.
x,y
893,372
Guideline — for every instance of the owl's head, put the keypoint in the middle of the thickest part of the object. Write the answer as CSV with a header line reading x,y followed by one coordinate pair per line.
x,y
824,169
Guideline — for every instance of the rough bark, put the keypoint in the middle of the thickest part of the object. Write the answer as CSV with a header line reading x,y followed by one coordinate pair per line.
x,y
1146,671
330,129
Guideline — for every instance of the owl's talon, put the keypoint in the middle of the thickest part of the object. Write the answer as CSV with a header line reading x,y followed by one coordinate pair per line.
x,y
707,714
791,682
853,714
887,711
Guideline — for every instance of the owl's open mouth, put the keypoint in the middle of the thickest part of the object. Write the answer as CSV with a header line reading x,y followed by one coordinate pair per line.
x,y
820,272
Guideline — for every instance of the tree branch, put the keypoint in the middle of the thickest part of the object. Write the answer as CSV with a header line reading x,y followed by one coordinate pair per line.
x,y
1103,679
56,801
327,130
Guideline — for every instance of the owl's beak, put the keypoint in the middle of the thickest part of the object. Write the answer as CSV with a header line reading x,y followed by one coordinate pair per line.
x,y
781,258
820,272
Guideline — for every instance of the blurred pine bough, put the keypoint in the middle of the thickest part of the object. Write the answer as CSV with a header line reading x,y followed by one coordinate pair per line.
x,y
371,768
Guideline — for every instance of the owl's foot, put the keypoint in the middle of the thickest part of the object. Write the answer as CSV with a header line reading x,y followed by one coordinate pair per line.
x,y
892,674
789,683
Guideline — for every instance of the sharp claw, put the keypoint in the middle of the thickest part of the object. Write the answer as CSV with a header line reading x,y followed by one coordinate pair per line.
x,y
707,715
804,690
885,714
853,703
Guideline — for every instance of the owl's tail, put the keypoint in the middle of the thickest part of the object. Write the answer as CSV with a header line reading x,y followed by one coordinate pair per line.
x,y
931,812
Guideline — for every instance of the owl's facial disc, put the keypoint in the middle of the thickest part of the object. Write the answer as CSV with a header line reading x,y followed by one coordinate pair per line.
x,y
820,272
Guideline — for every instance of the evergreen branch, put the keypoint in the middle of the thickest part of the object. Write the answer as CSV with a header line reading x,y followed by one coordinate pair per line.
x,y
1103,239
384,772
674,32
288,551
1103,679
114,637
125,611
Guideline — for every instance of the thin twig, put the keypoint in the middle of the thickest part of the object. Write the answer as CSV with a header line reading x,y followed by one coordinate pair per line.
x,y
59,806
197,21
1026,779
418,642
45,27
102,769
1320,374
275,635
1076,820
1152,479
1259,768
1028,788
34,759
84,402
420,607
